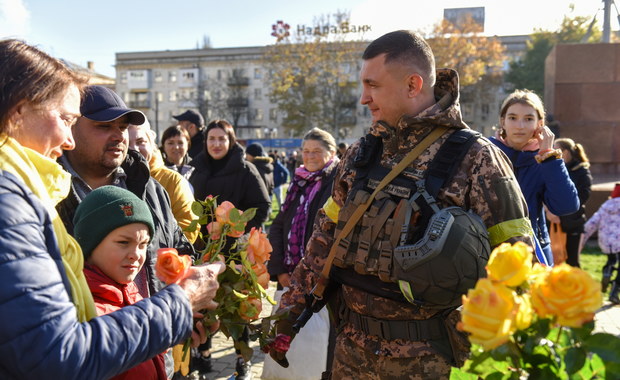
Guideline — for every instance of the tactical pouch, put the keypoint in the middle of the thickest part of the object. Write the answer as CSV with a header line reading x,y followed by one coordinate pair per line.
x,y
345,252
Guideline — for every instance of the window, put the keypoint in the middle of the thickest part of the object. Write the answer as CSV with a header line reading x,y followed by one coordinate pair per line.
x,y
273,114
257,73
258,114
172,76
157,76
188,76
172,96
124,77
258,93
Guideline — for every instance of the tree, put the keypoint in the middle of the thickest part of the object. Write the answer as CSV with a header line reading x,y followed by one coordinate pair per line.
x,y
461,47
529,72
312,79
477,59
227,99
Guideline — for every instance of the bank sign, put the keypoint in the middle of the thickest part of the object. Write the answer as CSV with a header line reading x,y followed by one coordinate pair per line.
x,y
281,30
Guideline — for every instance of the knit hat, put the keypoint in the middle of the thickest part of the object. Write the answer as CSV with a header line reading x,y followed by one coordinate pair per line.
x,y
615,193
104,210
255,150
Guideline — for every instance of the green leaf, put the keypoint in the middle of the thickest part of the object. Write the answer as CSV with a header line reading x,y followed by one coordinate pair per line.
x,y
198,209
248,215
192,226
240,295
235,216
605,345
575,359
458,374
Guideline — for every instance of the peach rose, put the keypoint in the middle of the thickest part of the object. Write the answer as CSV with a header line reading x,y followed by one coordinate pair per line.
x,y
259,246
570,294
170,267
250,308
510,264
262,275
214,229
489,314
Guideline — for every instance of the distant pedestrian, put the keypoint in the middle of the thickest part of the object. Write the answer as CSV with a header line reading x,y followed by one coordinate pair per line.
x,y
607,221
578,166
280,177
291,162
256,155
342,147
193,123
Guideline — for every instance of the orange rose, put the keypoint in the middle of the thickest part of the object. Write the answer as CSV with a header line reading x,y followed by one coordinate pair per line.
x,y
250,308
568,293
262,275
258,246
170,267
222,212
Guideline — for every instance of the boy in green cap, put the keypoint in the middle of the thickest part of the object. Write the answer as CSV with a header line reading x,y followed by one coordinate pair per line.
x,y
114,228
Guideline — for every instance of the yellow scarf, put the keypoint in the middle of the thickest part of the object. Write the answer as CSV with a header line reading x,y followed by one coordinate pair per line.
x,y
51,184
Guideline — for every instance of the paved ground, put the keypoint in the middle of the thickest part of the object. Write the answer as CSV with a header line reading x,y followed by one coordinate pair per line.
x,y
607,320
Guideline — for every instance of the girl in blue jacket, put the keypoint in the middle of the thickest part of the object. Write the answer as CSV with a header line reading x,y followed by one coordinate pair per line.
x,y
539,168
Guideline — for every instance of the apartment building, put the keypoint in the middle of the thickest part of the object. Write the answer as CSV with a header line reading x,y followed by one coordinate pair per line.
x,y
232,83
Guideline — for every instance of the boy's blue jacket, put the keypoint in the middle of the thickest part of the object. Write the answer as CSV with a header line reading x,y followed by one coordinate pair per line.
x,y
546,183
40,336
280,173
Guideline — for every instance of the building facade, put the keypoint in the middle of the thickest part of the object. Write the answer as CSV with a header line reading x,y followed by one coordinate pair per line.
x,y
232,83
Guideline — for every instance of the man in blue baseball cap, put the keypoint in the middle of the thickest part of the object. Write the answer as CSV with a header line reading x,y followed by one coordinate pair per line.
x,y
101,157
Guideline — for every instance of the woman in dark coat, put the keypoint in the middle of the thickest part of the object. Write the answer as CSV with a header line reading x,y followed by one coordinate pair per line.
x,y
578,166
222,171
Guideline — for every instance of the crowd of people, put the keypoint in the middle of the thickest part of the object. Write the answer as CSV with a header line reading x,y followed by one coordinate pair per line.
x,y
90,196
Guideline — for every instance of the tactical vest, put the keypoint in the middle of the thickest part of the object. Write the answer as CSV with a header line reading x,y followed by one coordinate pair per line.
x,y
405,247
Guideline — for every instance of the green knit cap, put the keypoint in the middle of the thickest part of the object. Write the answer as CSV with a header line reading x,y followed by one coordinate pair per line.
x,y
104,210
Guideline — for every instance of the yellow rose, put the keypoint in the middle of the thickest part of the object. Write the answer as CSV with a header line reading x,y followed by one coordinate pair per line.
x,y
568,293
489,314
510,264
525,314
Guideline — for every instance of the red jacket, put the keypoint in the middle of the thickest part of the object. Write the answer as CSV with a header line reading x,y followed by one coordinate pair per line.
x,y
110,296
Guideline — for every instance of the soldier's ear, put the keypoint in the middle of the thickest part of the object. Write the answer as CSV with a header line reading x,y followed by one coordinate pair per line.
x,y
414,83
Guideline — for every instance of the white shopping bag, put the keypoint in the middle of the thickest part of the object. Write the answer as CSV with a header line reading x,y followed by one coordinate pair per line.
x,y
307,356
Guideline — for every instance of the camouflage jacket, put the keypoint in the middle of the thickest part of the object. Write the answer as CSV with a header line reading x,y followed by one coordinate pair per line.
x,y
484,183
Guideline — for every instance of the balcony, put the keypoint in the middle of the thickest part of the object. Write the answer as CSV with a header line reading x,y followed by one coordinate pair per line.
x,y
238,82
139,104
239,102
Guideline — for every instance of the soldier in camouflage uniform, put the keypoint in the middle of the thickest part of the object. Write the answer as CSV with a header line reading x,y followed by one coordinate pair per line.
x,y
380,337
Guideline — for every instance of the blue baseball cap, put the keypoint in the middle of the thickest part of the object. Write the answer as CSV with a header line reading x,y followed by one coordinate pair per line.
x,y
102,104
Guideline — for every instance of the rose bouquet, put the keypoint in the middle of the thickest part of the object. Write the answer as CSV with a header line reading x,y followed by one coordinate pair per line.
x,y
530,321
243,283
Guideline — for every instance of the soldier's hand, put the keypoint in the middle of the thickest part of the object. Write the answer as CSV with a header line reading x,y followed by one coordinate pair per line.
x,y
279,348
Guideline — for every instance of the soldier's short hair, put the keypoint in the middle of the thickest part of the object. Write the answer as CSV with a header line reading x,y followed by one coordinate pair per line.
x,y
405,47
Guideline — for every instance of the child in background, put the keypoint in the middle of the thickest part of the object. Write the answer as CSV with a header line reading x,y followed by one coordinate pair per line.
x,y
607,221
114,228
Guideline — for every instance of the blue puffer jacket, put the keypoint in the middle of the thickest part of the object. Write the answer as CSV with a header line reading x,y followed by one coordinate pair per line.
x,y
40,336
547,183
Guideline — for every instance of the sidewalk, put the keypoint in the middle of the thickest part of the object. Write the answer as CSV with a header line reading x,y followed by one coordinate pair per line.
x,y
607,320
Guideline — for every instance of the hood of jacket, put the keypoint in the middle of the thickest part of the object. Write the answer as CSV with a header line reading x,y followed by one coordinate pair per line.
x,y
263,164
411,129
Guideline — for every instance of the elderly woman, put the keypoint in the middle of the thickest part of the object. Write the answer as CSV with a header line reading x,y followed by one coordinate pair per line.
x,y
307,193
291,229
51,330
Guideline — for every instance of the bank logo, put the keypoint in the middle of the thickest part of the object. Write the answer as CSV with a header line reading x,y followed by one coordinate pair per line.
x,y
280,30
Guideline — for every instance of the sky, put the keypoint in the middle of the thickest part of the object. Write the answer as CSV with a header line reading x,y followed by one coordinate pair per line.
x,y
81,31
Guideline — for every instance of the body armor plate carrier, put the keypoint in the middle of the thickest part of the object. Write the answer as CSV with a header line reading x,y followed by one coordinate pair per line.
x,y
405,247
